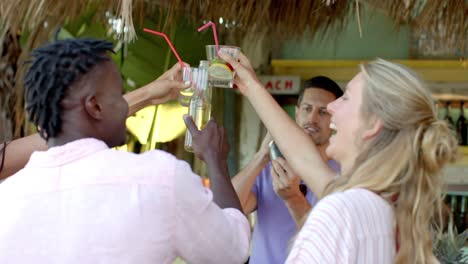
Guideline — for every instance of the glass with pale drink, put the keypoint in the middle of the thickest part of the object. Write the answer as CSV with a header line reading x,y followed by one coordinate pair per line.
x,y
221,74
185,95
200,103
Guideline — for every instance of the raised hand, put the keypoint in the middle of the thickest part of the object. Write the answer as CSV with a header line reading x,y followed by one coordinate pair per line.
x,y
174,73
210,145
245,74
210,142
285,181
167,86
286,186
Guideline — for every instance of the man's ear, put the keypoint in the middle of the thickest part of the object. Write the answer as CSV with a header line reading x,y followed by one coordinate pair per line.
x,y
373,128
93,107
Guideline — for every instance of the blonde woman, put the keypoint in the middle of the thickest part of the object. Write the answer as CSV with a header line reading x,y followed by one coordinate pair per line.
x,y
386,205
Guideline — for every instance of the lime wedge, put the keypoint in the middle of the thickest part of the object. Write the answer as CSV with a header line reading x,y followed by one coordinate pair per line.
x,y
220,71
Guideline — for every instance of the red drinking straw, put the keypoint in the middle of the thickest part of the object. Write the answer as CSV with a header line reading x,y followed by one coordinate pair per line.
x,y
177,55
215,35
168,42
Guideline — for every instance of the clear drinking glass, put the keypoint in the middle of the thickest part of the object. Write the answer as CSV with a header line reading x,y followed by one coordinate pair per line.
x,y
221,74
200,103
189,74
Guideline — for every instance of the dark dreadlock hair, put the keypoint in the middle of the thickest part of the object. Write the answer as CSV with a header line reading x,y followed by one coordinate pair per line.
x,y
52,71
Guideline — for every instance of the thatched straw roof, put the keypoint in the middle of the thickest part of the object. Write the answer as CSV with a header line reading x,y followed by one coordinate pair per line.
x,y
446,20
289,17
285,17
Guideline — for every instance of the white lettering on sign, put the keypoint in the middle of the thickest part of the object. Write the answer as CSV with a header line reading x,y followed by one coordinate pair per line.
x,y
277,84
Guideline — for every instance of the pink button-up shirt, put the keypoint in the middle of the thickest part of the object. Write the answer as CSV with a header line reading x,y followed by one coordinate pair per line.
x,y
85,203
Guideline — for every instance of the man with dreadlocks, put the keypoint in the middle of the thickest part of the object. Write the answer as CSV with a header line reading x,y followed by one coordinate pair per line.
x,y
15,154
82,202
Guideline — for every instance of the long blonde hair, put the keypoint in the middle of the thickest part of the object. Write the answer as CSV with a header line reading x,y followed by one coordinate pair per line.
x,y
405,159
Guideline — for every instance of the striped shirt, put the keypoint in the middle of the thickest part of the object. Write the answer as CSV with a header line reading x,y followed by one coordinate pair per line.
x,y
355,226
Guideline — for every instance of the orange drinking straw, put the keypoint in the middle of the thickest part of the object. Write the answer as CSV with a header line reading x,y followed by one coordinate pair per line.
x,y
215,35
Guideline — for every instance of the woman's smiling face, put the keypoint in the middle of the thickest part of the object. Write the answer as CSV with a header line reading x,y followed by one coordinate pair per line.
x,y
347,123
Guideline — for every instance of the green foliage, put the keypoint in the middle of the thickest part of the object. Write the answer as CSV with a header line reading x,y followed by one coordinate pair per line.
x,y
449,252
146,57
143,60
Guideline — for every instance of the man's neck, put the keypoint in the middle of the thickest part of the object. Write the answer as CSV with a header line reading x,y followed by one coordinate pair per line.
x,y
60,141
67,136
74,127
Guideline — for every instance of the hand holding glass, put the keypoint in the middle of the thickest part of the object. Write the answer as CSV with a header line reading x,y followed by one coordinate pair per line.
x,y
200,103
189,75
220,73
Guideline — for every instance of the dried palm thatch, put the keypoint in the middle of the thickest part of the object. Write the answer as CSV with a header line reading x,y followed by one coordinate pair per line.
x,y
444,20
447,19
8,93
288,18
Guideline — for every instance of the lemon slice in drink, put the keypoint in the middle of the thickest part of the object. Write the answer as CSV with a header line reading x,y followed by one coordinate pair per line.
x,y
220,71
